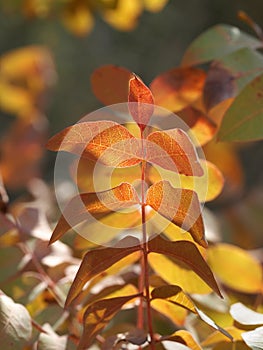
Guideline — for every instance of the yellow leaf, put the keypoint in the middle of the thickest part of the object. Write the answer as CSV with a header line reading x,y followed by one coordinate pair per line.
x,y
236,268
78,19
154,5
174,312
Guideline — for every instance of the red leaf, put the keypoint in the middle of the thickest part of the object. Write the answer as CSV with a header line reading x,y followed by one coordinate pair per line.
x,y
180,206
110,84
97,204
175,152
140,102
187,253
106,141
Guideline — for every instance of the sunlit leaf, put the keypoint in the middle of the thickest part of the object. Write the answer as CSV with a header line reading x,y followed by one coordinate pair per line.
x,y
187,253
245,274
218,337
208,186
178,88
154,5
202,129
125,15
173,312
78,18
243,120
180,206
98,315
97,205
254,339
110,84
183,337
98,260
217,113
106,141
175,152
140,102
175,295
52,341
217,42
15,324
244,315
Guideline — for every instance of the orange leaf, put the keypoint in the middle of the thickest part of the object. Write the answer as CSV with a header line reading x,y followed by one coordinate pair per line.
x,y
97,204
187,253
180,206
174,151
110,84
178,88
140,102
98,260
183,337
106,141
98,315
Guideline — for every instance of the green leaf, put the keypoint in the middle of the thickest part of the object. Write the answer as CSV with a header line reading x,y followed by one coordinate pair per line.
x,y
217,42
15,324
244,119
187,253
98,260
98,315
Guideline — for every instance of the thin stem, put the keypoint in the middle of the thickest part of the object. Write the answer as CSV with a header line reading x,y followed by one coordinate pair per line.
x,y
144,261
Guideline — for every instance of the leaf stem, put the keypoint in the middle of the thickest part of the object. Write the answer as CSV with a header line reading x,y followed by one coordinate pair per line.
x,y
144,278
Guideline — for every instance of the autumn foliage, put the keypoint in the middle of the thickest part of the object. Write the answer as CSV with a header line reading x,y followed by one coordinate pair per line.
x,y
134,260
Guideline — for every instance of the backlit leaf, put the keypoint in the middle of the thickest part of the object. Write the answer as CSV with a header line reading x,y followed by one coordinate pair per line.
x,y
154,5
175,152
51,340
187,253
243,120
106,141
218,337
245,274
140,102
94,205
98,315
180,206
178,88
175,295
98,260
244,315
183,337
78,18
202,129
15,324
173,312
217,42
208,186
110,84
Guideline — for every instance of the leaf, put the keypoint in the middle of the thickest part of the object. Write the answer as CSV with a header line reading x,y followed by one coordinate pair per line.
x,y
184,337
141,103
244,315
154,5
175,152
110,84
78,19
98,315
227,76
173,312
174,295
51,340
218,337
243,120
93,206
245,274
106,141
175,272
254,339
180,206
178,88
202,129
208,186
187,253
217,42
15,324
98,260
